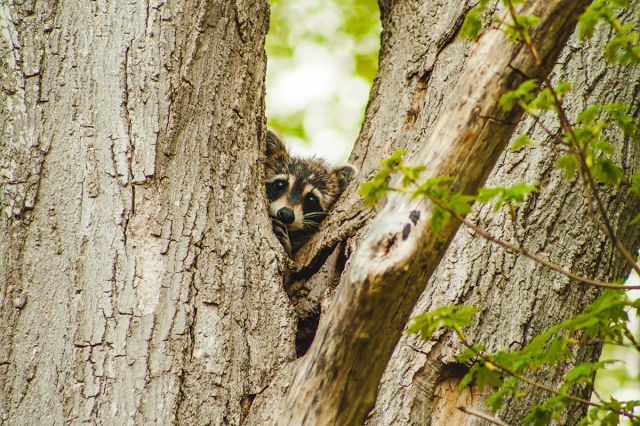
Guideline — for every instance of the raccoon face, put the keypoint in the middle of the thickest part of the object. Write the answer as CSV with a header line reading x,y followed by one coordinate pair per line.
x,y
301,191
301,197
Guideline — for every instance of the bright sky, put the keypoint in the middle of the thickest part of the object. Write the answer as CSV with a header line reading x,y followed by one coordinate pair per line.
x,y
318,84
323,85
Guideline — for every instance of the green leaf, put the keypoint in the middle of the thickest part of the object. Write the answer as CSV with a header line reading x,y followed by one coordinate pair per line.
x,y
517,192
439,219
606,171
522,96
583,373
603,146
635,220
410,174
372,191
487,194
562,88
496,399
635,184
613,113
629,124
527,21
487,374
605,318
589,115
543,414
460,203
393,161
450,316
543,102
377,187
556,350
612,418
569,164
509,100
482,374
468,378
507,194
436,187
589,19
521,142
520,29
620,3
472,24
469,353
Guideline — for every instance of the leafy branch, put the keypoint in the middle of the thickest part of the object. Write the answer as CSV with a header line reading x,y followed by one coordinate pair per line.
x,y
585,144
623,47
584,151
605,320
457,205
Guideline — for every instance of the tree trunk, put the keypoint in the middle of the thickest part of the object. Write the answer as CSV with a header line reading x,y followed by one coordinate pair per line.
x,y
421,63
397,256
140,280
519,298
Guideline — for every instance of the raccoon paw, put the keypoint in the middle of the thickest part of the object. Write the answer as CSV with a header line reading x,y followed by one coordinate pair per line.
x,y
280,229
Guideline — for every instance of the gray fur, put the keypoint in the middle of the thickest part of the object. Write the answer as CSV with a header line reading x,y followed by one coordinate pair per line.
x,y
308,173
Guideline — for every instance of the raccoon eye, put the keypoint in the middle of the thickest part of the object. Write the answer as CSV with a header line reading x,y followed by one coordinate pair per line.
x,y
276,188
311,203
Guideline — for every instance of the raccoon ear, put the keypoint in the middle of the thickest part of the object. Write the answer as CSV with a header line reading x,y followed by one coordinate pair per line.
x,y
345,174
275,146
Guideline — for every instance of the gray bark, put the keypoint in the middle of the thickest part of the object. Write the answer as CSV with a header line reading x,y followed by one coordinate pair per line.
x,y
140,279
421,62
141,282
519,298
338,379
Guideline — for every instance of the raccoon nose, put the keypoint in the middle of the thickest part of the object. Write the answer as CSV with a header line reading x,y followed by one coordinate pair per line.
x,y
286,215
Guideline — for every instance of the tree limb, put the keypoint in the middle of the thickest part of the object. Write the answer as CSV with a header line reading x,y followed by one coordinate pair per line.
x,y
337,381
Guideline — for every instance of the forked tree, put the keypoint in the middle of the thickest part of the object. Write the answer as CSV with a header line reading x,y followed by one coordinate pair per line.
x,y
141,282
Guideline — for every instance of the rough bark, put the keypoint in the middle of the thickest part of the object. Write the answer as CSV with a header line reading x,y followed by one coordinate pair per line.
x,y
141,282
338,379
518,297
140,279
421,61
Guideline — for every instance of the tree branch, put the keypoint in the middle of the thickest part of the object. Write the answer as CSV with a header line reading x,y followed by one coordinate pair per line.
x,y
338,378
483,416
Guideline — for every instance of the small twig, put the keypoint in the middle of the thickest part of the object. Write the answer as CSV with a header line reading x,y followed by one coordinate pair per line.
x,y
483,416
634,343
538,121
588,180
520,250
538,385
606,223
615,23
595,392
607,342
487,360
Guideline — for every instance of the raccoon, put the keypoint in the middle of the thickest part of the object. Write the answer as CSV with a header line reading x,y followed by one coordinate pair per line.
x,y
300,191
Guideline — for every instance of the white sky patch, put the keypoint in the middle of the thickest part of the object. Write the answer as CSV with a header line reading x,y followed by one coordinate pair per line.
x,y
317,87
313,77
328,143
322,86
634,279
